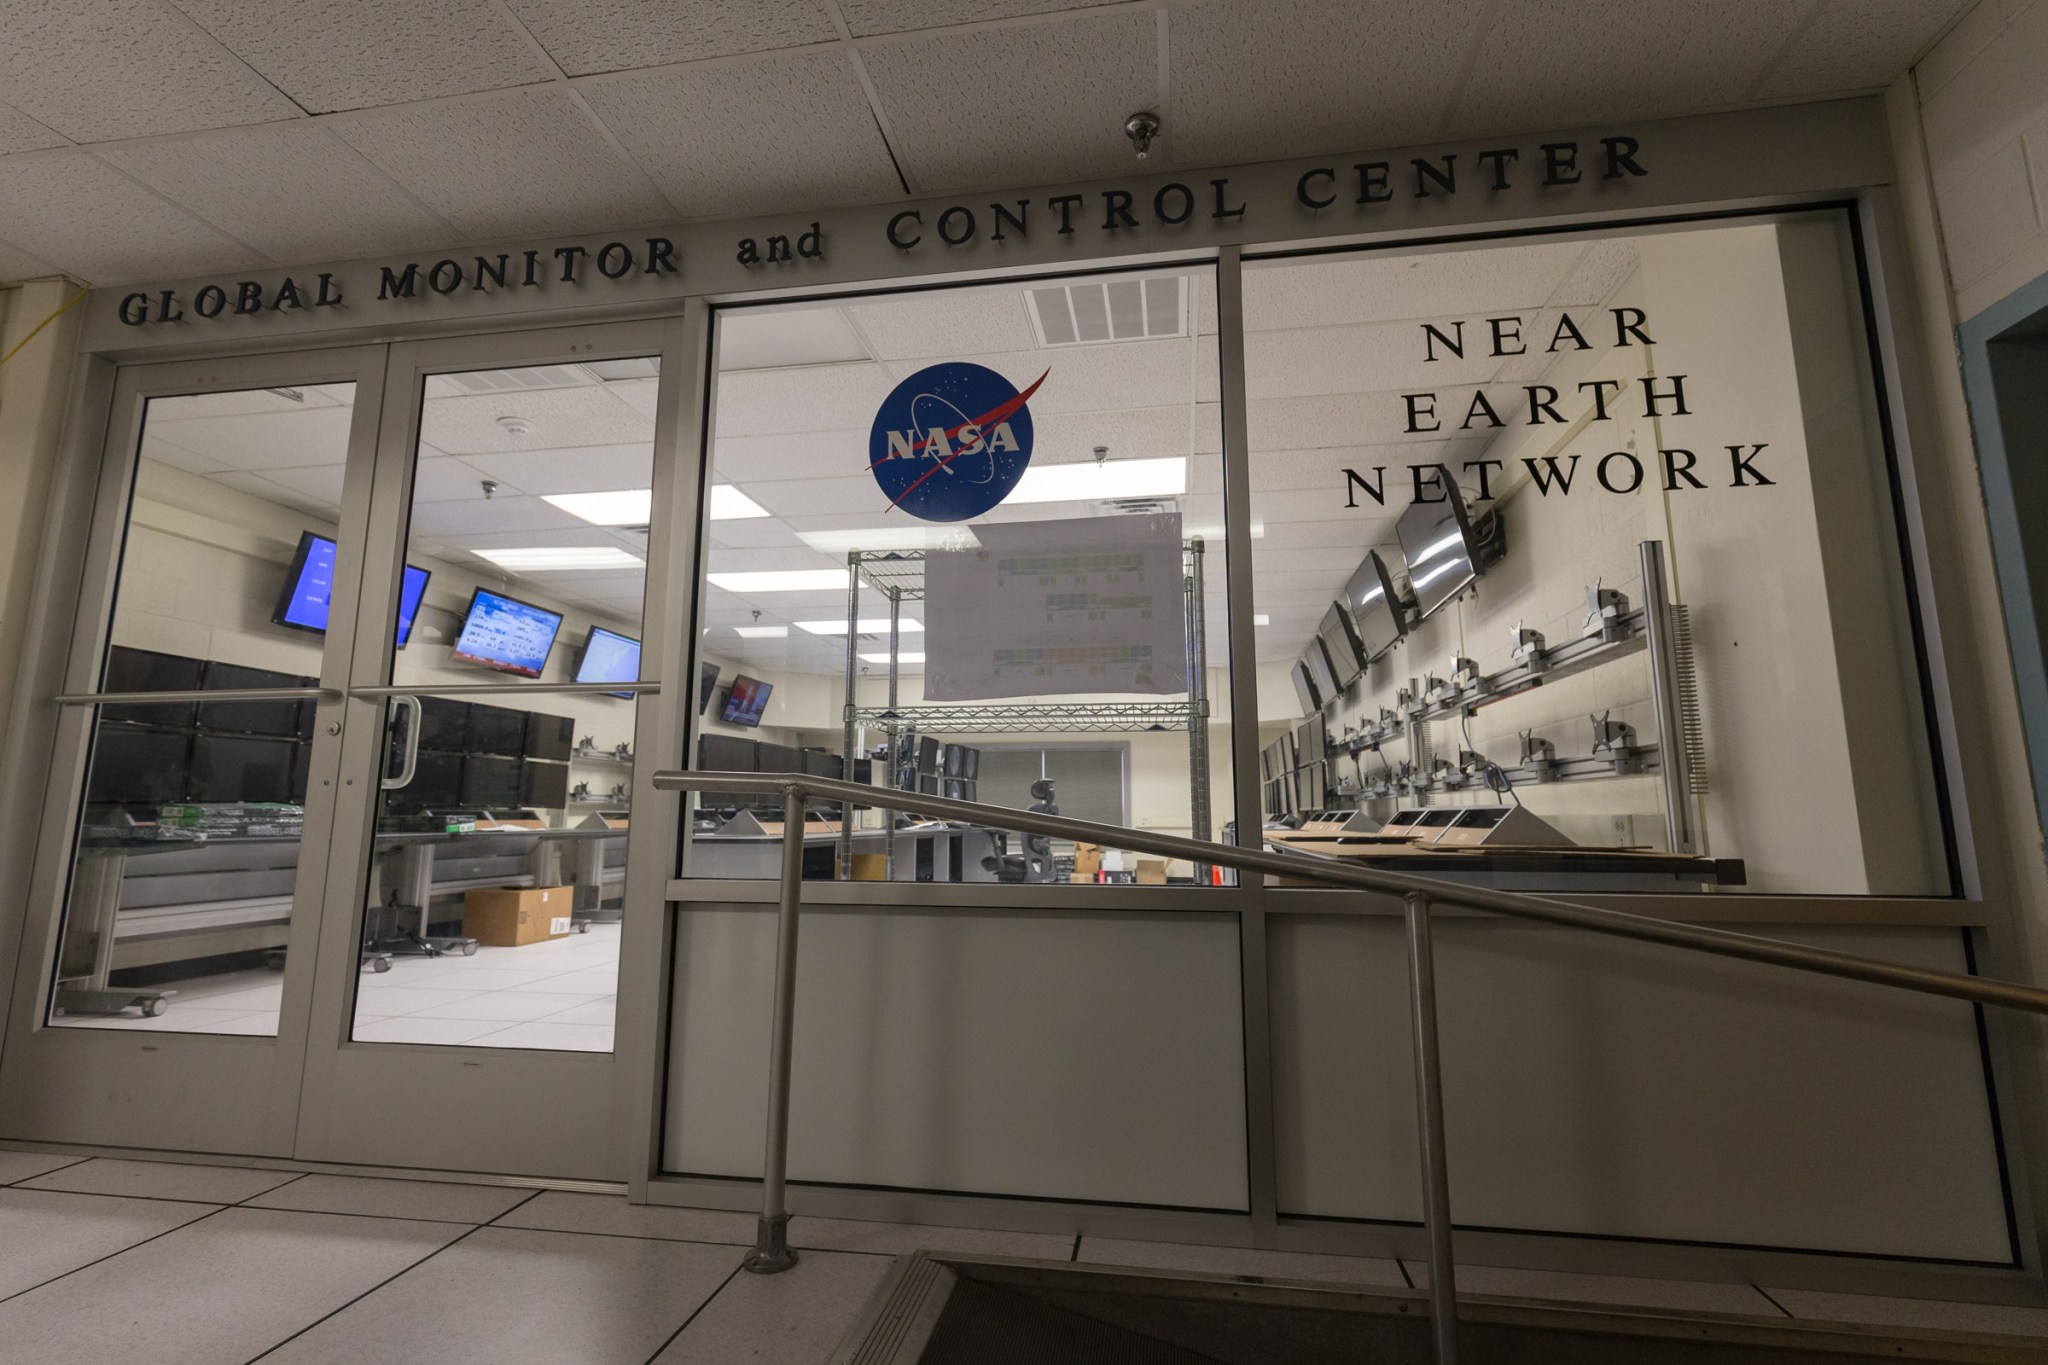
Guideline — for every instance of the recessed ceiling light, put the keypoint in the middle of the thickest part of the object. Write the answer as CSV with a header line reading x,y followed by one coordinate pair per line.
x,y
781,580
900,658
635,506
913,537
548,558
1086,482
761,632
1261,619
869,625
1217,533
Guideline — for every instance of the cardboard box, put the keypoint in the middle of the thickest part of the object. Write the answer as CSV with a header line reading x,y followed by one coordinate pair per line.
x,y
1151,871
1087,860
870,867
504,917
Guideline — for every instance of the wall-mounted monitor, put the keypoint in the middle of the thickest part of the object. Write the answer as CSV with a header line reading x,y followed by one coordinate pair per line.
x,y
1342,645
1436,539
544,784
146,670
506,635
1305,688
309,589
243,768
707,683
970,763
135,766
929,754
1377,612
282,719
748,699
1319,669
609,657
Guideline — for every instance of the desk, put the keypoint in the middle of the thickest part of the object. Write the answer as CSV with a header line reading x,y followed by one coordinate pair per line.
x,y
1516,867
433,863
924,853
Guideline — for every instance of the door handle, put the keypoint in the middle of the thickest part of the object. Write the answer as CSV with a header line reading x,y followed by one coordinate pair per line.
x,y
412,742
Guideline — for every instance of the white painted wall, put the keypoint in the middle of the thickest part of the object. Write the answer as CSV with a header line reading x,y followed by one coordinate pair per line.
x,y
1984,112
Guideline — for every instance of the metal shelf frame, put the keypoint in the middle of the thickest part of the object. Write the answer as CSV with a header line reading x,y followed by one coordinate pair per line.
x,y
898,575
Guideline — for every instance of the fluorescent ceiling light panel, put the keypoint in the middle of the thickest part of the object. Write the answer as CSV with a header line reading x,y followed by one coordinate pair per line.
x,y
762,632
908,537
635,506
900,658
560,558
1262,620
1085,481
869,625
782,580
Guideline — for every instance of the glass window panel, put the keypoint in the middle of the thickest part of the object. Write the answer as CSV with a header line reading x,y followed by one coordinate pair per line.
x,y
182,889
1704,390
1033,618
498,875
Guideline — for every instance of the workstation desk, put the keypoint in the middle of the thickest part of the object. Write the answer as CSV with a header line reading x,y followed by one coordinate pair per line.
x,y
744,848
1534,868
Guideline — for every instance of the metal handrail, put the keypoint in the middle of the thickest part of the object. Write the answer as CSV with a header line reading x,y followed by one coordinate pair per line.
x,y
198,694
1418,894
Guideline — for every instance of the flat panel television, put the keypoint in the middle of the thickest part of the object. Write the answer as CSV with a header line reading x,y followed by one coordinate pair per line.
x,y
707,683
779,758
1376,611
970,763
309,589
506,635
956,758
444,725
552,737
496,730
283,719
436,783
746,702
242,768
929,754
1304,687
544,784
1319,669
1436,539
819,763
1341,644
609,657
145,670
490,782
132,766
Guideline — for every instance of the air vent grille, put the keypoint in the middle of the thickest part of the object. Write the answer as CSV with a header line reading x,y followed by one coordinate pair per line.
x,y
522,378
1097,311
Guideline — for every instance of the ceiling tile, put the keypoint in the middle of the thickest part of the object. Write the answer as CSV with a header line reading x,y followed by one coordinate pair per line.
x,y
816,398
866,17
1336,75
542,520
779,133
562,419
154,447
1552,63
315,485
1386,287
587,36
946,323
292,190
149,71
776,338
1084,76
316,436
591,469
1861,46
20,133
331,56
96,223
521,163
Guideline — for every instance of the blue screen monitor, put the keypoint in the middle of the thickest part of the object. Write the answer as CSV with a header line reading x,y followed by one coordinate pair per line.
x,y
609,657
749,698
309,588
507,635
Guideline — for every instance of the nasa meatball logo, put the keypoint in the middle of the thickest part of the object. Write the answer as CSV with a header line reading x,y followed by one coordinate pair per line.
x,y
951,441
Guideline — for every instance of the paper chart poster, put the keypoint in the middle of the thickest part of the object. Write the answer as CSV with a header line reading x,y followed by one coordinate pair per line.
x,y
1054,608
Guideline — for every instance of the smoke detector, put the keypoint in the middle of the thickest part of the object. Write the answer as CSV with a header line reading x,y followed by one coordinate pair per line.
x,y
516,426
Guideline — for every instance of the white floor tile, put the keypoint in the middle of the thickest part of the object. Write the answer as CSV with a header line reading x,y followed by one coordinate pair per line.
x,y
603,1010
506,1296
485,978
24,1165
396,1000
407,1029
249,998
1683,1296
179,1018
797,1316
898,1239
1271,1265
1951,1317
432,1200
162,1180
510,1007
44,1234
552,1037
596,980
561,1211
226,1288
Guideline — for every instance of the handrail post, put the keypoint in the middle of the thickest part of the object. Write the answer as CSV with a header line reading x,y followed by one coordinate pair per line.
x,y
1429,1106
771,1251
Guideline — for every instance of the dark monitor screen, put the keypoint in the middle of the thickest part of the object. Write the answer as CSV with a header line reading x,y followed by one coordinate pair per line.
x,y
496,730
284,719
309,589
436,783
928,784
724,754
132,766
956,789
779,758
609,657
707,683
1341,643
242,768
444,725
490,781
747,700
1305,687
819,763
1375,606
1319,669
970,763
929,754
544,784
550,736
507,635
955,760
145,670
1436,540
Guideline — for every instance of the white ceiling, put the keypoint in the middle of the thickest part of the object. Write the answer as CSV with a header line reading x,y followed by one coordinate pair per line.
x,y
159,138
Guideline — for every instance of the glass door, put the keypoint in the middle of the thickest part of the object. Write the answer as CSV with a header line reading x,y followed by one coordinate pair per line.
x,y
181,875
468,1019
